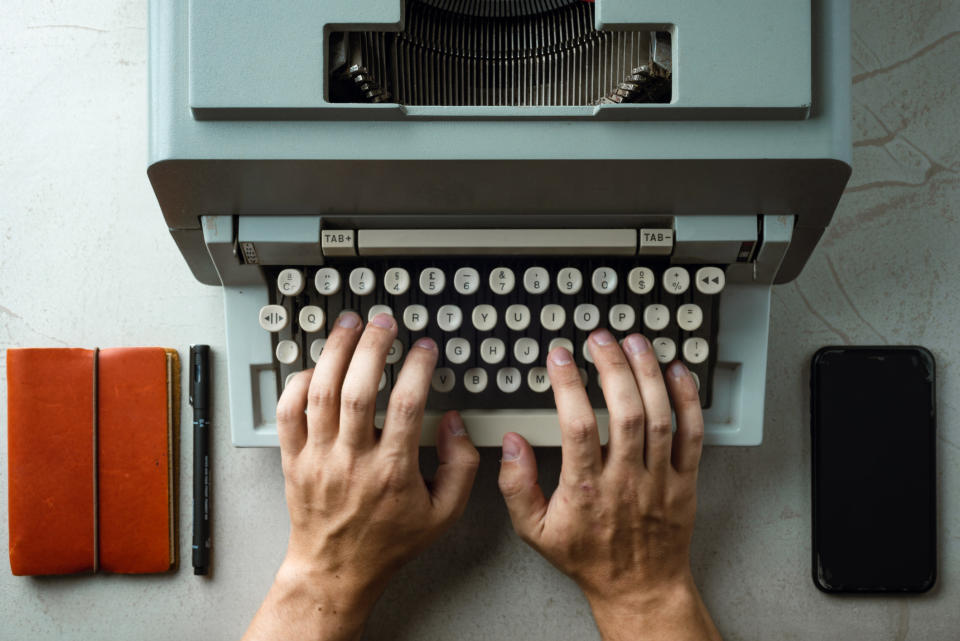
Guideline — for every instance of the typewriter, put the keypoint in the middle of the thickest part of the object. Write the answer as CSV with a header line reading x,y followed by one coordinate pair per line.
x,y
503,176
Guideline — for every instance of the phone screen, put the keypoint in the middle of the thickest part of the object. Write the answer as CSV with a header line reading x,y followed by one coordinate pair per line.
x,y
874,478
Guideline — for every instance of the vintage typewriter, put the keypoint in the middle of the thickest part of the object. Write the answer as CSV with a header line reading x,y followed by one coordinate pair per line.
x,y
503,176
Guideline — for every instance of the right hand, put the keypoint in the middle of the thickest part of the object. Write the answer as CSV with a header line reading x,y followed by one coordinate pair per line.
x,y
619,522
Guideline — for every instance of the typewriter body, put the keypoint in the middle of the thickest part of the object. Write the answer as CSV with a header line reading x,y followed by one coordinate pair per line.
x,y
503,176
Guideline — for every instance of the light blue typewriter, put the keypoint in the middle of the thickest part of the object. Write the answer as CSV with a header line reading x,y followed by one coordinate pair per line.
x,y
503,176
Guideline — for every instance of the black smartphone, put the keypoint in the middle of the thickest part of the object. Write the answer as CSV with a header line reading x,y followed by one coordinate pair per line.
x,y
873,420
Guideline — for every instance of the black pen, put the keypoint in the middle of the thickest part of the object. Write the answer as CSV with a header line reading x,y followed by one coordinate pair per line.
x,y
200,400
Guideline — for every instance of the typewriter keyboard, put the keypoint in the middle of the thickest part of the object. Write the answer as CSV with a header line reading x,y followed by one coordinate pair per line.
x,y
495,319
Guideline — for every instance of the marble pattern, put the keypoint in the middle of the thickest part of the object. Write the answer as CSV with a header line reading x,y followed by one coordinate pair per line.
x,y
85,260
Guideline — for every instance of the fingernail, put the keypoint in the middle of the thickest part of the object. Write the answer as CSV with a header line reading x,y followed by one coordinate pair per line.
x,y
636,344
425,343
511,450
560,356
384,321
602,337
677,370
456,426
348,320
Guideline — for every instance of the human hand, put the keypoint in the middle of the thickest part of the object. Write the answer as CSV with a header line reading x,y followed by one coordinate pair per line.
x,y
620,521
359,507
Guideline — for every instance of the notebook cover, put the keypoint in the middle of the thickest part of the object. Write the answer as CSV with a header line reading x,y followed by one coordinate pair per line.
x,y
134,457
50,460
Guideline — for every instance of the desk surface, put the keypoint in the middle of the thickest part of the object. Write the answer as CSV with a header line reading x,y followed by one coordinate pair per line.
x,y
86,260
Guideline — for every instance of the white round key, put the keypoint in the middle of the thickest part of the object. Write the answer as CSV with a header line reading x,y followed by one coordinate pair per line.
x,y
396,280
449,318
502,280
664,348
273,318
696,380
492,350
710,280
475,379
536,280
383,381
656,317
316,347
552,317
508,379
689,317
395,351
443,379
287,351
565,343
458,350
526,350
432,281
466,280
604,280
586,351
327,281
291,282
676,280
484,317
586,317
362,281
289,378
622,317
569,280
695,350
311,319
537,379
378,309
518,317
640,280
415,317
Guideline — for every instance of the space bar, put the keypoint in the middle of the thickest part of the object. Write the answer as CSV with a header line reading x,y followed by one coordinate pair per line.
x,y
542,242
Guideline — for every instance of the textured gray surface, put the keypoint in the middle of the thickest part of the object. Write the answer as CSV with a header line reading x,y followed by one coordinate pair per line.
x,y
86,260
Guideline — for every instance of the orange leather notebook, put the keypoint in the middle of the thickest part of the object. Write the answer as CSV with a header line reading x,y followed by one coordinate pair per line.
x,y
91,444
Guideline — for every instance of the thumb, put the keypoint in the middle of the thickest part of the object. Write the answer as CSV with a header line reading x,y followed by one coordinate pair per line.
x,y
518,484
458,461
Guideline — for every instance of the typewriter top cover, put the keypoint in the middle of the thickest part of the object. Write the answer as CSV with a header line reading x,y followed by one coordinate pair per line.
x,y
498,113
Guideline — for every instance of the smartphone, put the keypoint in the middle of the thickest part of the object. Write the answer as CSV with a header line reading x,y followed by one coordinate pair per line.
x,y
873,423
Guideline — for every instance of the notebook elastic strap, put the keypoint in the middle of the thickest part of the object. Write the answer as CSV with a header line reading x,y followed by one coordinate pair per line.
x,y
96,464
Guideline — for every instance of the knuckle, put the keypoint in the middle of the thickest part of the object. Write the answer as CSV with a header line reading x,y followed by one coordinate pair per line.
x,y
631,420
406,406
650,369
287,413
321,395
581,428
660,426
355,403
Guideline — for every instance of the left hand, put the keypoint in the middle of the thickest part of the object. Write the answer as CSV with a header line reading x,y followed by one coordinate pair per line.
x,y
359,507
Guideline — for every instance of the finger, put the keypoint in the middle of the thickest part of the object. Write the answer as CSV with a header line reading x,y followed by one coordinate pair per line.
x,y
518,484
458,461
579,438
291,416
623,401
358,399
688,441
323,404
404,419
656,404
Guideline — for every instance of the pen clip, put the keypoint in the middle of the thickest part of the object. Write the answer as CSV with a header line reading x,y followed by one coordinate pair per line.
x,y
191,375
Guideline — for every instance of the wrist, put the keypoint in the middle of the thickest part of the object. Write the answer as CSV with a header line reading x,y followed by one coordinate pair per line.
x,y
328,593
668,609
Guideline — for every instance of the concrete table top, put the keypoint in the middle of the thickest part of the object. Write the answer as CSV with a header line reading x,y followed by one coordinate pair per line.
x,y
86,260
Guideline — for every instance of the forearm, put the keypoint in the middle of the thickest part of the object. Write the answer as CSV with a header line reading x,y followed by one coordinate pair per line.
x,y
675,614
300,606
